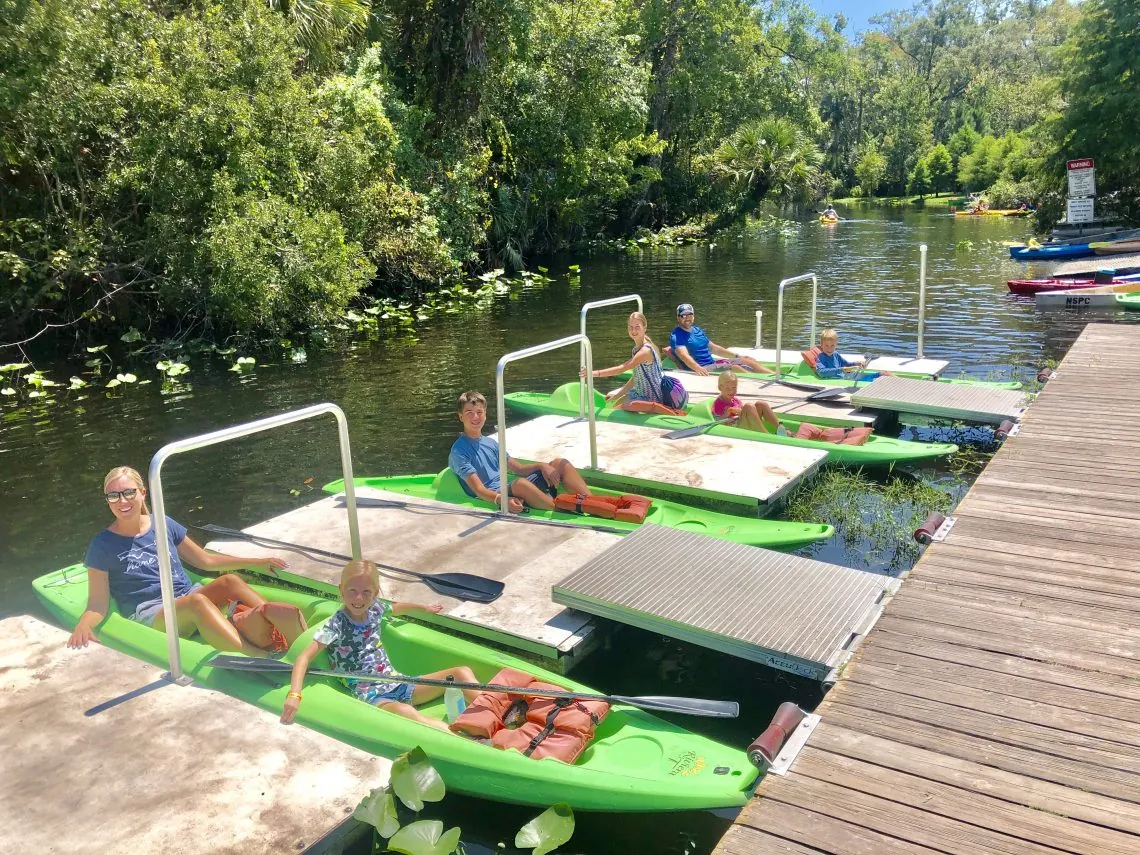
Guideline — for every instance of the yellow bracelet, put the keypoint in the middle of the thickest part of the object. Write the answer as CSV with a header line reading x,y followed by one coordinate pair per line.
x,y
296,695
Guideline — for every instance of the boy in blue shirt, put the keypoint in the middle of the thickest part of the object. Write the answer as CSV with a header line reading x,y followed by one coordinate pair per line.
x,y
474,459
830,364
690,348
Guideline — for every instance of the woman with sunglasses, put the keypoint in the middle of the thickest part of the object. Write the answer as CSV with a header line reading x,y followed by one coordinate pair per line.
x,y
122,561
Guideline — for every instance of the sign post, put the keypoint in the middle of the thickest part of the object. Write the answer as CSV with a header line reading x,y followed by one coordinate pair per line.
x,y
1082,189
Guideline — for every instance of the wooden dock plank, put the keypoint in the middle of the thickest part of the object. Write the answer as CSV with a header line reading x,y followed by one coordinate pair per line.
x,y
995,706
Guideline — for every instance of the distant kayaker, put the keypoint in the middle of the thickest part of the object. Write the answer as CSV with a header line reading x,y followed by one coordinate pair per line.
x,y
830,213
122,562
830,364
648,390
691,348
474,459
353,638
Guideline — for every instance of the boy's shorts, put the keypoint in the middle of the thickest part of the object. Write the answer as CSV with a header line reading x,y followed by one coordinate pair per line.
x,y
539,480
400,694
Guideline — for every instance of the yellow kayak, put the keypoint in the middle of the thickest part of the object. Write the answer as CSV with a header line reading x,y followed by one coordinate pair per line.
x,y
829,219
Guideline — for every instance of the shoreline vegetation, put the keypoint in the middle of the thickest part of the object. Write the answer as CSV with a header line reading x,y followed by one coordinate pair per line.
x,y
236,172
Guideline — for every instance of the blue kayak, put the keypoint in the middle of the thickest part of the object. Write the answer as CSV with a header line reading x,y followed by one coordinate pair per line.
x,y
1047,253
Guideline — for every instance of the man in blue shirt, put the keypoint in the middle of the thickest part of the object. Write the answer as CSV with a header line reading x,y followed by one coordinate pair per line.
x,y
475,459
690,348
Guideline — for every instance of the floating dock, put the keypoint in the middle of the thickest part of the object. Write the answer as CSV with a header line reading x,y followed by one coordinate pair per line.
x,y
103,754
783,399
995,707
433,537
788,612
630,457
976,404
792,358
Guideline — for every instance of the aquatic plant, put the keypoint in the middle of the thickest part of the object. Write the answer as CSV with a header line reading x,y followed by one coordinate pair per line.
x,y
413,782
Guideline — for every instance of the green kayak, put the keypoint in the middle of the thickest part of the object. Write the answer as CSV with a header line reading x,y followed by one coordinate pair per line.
x,y
878,450
1128,301
803,373
635,762
445,487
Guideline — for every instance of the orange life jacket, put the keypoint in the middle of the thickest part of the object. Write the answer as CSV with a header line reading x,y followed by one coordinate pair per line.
x,y
626,508
555,727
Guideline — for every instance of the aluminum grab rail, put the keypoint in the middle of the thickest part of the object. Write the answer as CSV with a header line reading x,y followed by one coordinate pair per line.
x,y
161,533
597,304
500,402
784,283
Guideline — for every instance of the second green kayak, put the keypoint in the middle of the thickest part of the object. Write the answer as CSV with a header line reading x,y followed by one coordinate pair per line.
x,y
803,373
445,487
878,450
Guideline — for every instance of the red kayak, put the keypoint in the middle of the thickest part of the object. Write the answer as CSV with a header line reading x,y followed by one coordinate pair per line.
x,y
1032,286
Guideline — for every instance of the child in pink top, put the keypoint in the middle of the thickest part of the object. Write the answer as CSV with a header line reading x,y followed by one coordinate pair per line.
x,y
757,416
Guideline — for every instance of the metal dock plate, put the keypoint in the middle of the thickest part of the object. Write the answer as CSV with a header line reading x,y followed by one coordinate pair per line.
x,y
945,400
792,613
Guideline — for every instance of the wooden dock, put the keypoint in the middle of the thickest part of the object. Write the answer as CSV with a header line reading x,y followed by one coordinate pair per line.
x,y
995,707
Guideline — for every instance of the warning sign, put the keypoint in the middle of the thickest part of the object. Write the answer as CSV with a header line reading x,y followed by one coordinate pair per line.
x,y
1082,177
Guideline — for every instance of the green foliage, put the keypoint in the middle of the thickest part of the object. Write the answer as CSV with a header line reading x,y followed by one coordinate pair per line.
x,y
547,831
940,166
870,169
1101,118
919,182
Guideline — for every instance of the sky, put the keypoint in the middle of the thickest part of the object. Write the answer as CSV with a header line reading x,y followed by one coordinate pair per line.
x,y
857,11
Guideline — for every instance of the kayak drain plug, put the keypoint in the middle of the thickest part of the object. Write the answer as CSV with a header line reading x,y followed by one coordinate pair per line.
x,y
766,747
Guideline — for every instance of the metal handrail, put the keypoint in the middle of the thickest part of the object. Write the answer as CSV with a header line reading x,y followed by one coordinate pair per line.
x,y
597,304
500,402
784,283
921,296
166,579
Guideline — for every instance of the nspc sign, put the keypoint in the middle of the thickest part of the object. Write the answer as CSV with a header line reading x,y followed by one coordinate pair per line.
x,y
1082,177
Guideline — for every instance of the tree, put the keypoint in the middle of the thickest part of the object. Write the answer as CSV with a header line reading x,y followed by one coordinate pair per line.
x,y
919,181
1102,91
940,166
870,169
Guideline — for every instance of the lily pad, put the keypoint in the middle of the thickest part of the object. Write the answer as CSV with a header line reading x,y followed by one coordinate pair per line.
x,y
378,809
7,390
131,336
415,780
13,366
97,349
547,831
77,383
424,837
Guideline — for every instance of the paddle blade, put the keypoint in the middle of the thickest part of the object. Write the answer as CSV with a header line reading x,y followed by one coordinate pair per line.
x,y
684,433
684,706
463,586
828,394
234,662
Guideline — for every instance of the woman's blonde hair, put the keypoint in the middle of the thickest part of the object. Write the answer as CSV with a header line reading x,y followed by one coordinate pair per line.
x,y
640,318
131,475
361,567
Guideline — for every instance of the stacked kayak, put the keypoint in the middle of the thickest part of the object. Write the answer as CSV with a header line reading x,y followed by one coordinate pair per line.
x,y
1115,247
804,373
630,765
1049,252
445,487
1034,286
1131,302
1100,297
878,450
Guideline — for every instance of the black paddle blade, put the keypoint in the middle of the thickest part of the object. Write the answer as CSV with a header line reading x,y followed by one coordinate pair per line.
x,y
462,586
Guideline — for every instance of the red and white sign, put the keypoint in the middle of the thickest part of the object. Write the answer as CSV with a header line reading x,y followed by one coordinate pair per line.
x,y
1082,177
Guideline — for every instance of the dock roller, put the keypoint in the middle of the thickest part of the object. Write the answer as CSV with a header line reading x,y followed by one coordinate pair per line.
x,y
924,534
1002,431
1044,375
765,747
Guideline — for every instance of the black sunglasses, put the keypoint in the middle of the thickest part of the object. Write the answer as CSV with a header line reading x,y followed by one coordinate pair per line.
x,y
127,494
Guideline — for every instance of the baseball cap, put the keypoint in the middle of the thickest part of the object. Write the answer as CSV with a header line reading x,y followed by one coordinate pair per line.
x,y
685,309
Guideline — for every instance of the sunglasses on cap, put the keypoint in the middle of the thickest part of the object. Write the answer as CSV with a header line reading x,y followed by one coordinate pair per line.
x,y
115,495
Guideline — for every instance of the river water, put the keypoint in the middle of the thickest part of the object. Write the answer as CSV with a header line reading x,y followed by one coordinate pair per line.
x,y
399,398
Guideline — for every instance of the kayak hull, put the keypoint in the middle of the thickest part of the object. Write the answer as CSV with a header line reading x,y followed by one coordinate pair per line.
x,y
803,373
636,761
1036,286
1050,253
445,487
878,451
1102,297
1116,247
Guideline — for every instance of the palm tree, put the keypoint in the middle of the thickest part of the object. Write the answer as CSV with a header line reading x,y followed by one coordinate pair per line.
x,y
321,23
765,158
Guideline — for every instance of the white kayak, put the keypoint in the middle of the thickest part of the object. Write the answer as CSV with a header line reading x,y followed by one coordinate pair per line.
x,y
1098,297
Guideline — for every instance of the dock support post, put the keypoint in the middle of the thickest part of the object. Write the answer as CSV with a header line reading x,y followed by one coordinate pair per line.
x,y
759,321
921,296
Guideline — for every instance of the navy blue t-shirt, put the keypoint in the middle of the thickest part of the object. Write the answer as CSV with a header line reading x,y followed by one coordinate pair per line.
x,y
475,456
131,564
695,341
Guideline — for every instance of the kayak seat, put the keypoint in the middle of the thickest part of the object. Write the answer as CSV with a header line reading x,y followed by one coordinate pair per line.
x,y
553,727
568,395
702,410
810,356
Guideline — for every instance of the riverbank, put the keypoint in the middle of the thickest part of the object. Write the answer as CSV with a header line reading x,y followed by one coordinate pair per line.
x,y
935,201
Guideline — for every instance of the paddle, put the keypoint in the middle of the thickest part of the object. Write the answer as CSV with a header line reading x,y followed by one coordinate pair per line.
x,y
695,430
659,703
461,586
836,391
373,502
